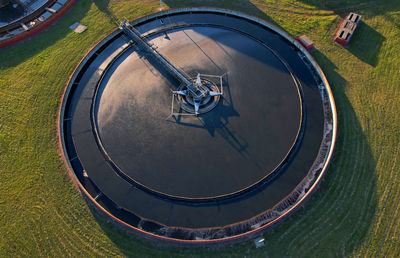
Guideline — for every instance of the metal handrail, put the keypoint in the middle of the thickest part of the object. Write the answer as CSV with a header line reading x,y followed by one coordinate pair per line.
x,y
136,36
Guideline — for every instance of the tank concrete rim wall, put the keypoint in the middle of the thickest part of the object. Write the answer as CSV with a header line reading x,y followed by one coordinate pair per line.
x,y
310,182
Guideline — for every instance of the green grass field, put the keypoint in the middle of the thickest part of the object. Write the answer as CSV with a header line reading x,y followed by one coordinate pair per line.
x,y
356,211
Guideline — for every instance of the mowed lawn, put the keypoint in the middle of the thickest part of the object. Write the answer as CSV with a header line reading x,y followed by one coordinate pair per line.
x,y
355,212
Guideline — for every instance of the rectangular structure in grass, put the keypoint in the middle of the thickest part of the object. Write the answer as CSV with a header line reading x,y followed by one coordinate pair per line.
x,y
305,42
347,28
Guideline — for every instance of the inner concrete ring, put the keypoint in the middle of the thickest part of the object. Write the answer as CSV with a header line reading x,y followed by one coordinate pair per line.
x,y
293,109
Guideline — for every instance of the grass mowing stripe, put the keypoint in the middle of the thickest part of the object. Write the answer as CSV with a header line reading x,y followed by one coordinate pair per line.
x,y
365,213
75,240
387,207
33,237
384,198
390,228
320,206
327,207
337,208
395,237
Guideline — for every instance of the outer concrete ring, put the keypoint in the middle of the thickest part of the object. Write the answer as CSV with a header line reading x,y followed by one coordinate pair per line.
x,y
309,184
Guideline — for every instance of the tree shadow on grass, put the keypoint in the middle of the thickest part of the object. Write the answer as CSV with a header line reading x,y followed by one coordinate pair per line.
x,y
343,7
17,53
245,6
102,5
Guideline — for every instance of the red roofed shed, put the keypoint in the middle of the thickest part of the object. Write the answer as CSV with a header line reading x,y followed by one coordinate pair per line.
x,y
347,28
305,42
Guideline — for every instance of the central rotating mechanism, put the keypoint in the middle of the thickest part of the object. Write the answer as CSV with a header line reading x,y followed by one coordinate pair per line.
x,y
199,97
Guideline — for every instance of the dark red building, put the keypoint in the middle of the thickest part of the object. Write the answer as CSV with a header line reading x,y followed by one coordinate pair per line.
x,y
347,28
305,42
